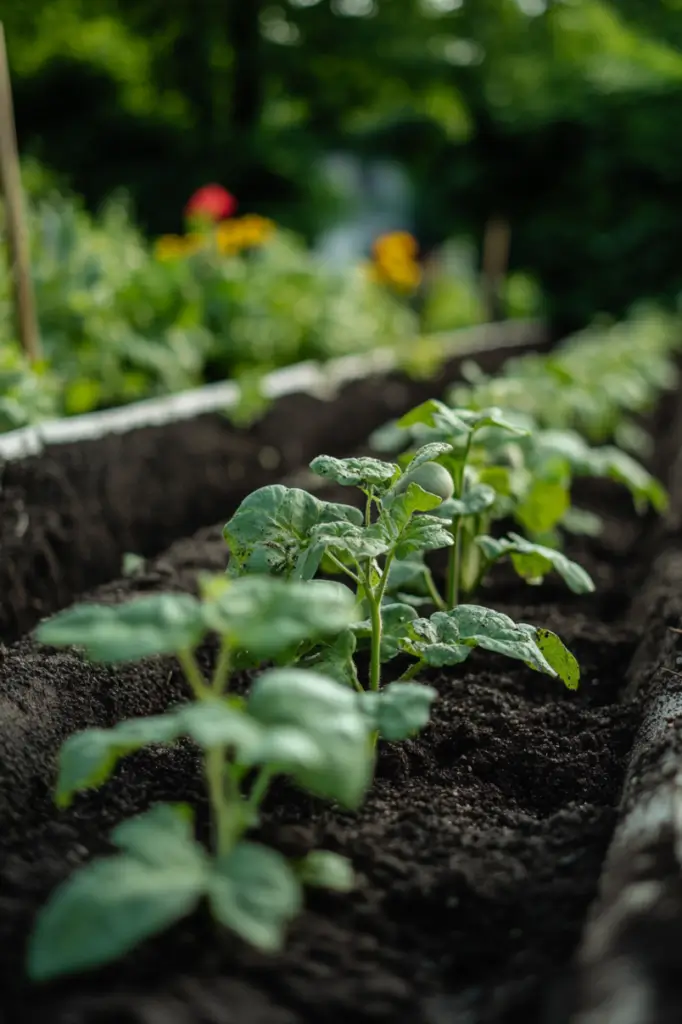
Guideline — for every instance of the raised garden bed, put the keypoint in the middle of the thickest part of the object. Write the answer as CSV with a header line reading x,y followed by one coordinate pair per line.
x,y
479,849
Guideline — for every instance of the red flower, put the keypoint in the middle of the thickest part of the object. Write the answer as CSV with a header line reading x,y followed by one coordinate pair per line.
x,y
211,202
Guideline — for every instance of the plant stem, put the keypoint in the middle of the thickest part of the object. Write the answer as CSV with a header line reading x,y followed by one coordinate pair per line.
x,y
259,789
193,675
455,559
344,568
221,672
375,619
354,675
215,778
411,672
374,598
433,593
368,510
454,566
384,577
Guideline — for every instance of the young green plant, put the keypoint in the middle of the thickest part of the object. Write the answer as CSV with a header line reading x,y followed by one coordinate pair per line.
x,y
510,470
294,722
290,532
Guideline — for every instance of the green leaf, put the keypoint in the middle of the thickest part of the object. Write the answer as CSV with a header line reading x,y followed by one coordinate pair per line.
x,y
497,477
329,713
365,472
479,498
435,642
427,533
162,836
409,575
559,657
162,624
393,619
334,658
426,414
427,453
272,531
399,710
106,908
543,507
535,561
492,417
87,759
622,468
286,750
401,503
218,723
325,870
447,637
607,461
582,522
255,893
351,541
405,533
267,615
458,423
388,438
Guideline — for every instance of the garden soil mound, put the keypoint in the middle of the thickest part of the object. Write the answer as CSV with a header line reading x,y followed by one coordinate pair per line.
x,y
478,851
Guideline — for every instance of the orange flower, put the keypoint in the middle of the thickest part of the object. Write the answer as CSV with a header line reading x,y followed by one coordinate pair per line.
x,y
395,243
395,261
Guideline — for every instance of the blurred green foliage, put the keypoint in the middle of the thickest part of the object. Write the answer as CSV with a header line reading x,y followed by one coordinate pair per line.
x,y
118,322
563,115
123,319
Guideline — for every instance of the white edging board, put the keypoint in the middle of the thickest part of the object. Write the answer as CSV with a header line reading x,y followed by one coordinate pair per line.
x,y
319,379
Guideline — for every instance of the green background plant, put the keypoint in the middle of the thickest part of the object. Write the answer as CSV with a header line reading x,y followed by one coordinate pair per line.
x,y
562,116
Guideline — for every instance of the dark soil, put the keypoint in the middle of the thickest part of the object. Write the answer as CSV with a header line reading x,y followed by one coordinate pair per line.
x,y
478,851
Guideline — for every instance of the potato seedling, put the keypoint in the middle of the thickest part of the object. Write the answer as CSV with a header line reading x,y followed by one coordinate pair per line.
x,y
289,532
295,722
595,382
502,466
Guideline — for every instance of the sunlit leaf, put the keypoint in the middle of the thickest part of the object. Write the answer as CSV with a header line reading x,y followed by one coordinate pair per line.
x,y
272,531
363,472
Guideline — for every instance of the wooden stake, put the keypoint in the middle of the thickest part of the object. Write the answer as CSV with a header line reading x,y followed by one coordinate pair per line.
x,y
17,233
494,265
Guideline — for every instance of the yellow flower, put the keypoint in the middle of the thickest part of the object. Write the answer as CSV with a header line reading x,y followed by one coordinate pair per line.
x,y
169,247
195,242
395,261
404,275
394,244
176,247
243,233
